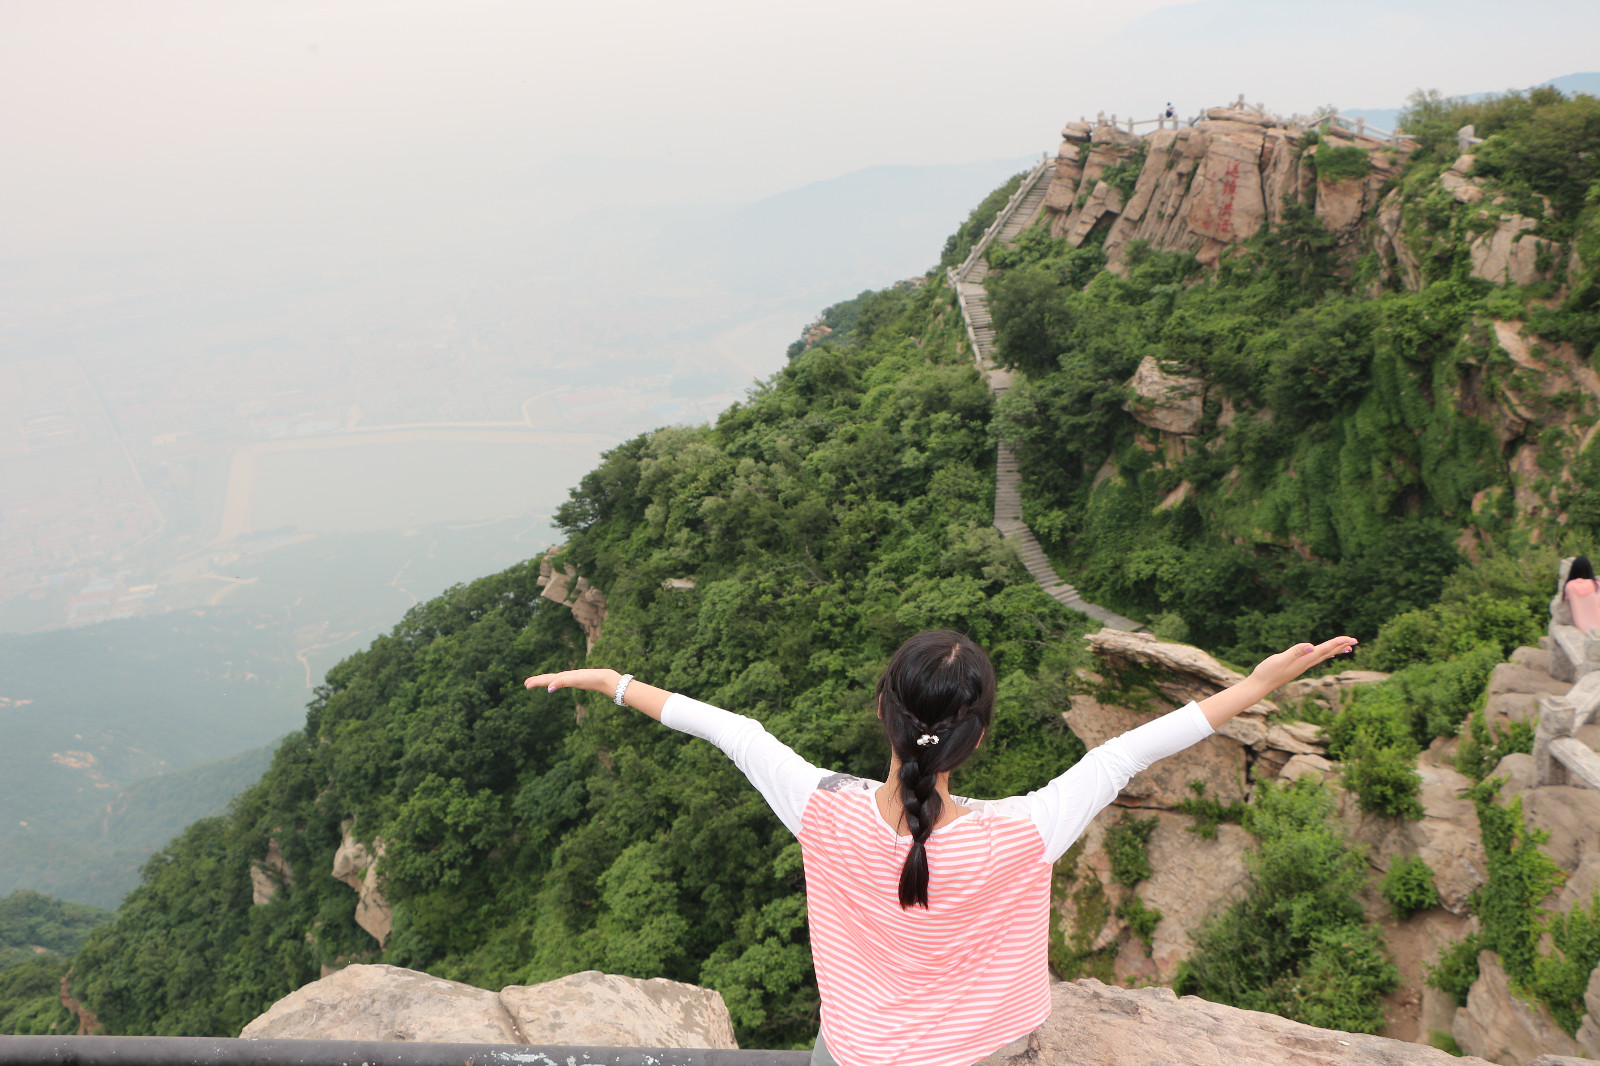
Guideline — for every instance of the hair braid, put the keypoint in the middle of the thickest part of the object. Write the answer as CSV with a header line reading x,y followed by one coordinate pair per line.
x,y
938,684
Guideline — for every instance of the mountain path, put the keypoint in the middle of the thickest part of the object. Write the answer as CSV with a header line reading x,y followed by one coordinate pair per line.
x,y
967,281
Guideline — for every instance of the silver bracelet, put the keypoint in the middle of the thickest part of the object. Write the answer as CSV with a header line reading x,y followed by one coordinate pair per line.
x,y
622,687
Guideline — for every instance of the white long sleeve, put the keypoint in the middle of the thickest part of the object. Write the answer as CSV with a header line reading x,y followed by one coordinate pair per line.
x,y
784,779
1063,809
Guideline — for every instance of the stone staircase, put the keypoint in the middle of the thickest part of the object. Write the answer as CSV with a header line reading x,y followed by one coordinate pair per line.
x,y
1027,209
967,281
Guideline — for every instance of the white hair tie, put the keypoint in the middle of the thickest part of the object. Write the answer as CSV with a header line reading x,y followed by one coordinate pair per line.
x,y
925,739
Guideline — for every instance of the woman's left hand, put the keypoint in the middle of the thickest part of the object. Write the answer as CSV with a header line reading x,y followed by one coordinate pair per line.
x,y
1282,668
591,680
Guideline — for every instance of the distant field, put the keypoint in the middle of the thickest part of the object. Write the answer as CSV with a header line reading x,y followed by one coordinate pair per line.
x,y
91,716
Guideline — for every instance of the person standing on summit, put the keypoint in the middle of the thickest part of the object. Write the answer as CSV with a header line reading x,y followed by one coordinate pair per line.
x,y
929,912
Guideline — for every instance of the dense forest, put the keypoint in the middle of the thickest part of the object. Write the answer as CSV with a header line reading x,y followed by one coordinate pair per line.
x,y
770,562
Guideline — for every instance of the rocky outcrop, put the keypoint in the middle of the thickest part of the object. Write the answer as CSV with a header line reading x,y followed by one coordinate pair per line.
x,y
1171,403
1588,1035
1502,1027
1220,760
379,1002
1093,1024
1206,187
1180,671
1446,837
594,1008
386,1003
268,874
1190,879
587,603
357,867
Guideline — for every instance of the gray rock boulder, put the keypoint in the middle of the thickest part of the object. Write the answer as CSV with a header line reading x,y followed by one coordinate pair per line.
x,y
595,1009
1093,1024
1570,815
1589,1028
608,1010
1498,1025
387,1003
1171,403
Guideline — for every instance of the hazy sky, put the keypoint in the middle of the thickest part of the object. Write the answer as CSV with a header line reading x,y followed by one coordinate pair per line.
x,y
166,120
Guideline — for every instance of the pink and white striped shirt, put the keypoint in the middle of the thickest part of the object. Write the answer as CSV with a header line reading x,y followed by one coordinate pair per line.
x,y
947,985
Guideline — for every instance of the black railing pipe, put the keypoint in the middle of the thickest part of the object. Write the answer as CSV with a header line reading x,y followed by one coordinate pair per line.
x,y
218,1051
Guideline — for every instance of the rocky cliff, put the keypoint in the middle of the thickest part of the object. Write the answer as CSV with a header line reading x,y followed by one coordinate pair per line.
x,y
1206,188
1193,877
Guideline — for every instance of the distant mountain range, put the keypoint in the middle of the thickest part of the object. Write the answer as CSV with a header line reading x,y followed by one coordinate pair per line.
x,y
1386,117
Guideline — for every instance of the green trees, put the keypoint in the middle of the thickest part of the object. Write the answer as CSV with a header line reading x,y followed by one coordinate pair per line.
x,y
1297,943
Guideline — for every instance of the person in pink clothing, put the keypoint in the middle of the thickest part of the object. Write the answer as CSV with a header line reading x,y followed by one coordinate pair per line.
x,y
929,913
1582,594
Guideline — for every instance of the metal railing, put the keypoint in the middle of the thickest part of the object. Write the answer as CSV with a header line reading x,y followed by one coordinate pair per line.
x,y
208,1051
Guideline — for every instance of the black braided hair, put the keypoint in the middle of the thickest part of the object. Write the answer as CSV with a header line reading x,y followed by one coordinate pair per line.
x,y
939,684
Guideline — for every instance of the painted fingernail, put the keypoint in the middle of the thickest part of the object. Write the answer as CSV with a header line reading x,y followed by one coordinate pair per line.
x,y
552,686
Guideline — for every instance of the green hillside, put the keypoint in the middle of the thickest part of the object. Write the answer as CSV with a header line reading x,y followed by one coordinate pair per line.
x,y
1359,435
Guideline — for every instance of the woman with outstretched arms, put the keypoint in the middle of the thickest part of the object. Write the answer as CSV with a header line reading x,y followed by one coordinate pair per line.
x,y
929,913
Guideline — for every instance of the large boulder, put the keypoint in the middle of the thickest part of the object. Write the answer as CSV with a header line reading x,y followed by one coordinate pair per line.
x,y
1509,254
387,1003
1499,1025
1093,1024
1169,402
607,1010
593,1009
1569,814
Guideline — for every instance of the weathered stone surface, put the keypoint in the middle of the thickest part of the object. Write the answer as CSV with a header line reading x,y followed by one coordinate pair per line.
x,y
1514,677
1446,837
1499,1026
1529,656
1569,814
588,604
376,1002
1464,191
1308,764
1296,738
357,867
1183,672
1093,1024
1169,402
1218,760
1507,254
1104,200
1190,878
608,1010
268,874
386,1003
1394,251
1409,1012
1588,1035
1517,769
1331,688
